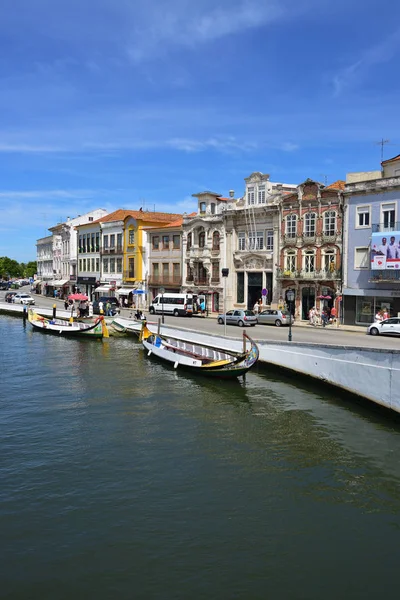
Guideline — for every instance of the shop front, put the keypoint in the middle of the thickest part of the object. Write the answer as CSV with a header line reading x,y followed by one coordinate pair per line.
x,y
361,306
86,285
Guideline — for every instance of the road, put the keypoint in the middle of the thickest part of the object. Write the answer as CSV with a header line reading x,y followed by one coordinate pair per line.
x,y
300,333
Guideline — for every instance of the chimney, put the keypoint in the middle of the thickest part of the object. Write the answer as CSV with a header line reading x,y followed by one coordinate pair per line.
x,y
231,193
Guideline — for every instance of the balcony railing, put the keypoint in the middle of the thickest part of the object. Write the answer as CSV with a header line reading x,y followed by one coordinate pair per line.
x,y
215,280
129,274
385,227
165,280
290,239
112,250
385,276
314,275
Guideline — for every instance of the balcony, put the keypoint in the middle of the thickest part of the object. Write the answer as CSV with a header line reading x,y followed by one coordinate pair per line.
x,y
308,238
215,280
201,281
129,275
321,274
385,276
329,236
112,250
290,239
386,227
159,280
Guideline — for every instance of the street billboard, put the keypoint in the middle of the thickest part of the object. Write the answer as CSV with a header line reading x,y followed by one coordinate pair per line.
x,y
385,250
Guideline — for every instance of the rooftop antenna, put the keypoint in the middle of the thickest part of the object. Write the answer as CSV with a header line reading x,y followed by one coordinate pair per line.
x,y
382,144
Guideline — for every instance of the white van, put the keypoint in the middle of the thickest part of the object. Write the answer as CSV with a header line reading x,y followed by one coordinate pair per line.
x,y
174,304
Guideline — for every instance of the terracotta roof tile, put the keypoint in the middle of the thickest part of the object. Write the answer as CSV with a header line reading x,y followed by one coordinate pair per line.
x,y
139,215
337,185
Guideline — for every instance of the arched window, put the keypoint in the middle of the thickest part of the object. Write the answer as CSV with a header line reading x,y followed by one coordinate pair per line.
x,y
329,260
189,241
329,222
309,261
309,224
212,208
202,239
290,261
215,240
291,226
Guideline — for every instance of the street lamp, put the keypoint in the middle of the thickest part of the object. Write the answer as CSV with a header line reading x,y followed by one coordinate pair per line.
x,y
162,290
290,299
225,273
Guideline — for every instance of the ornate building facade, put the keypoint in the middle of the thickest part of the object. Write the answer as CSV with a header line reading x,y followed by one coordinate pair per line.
x,y
310,253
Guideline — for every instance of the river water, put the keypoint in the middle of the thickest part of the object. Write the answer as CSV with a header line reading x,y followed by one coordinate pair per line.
x,y
120,478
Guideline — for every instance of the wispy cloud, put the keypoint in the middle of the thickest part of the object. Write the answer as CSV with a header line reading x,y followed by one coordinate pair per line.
x,y
375,55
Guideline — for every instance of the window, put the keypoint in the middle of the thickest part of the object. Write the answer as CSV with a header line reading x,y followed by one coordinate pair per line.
x,y
165,270
90,218
388,216
131,268
202,239
291,226
156,271
215,271
112,265
329,222
189,241
176,270
361,258
92,242
131,236
119,265
105,241
290,262
240,288
97,265
256,242
165,242
80,265
241,240
176,242
189,273
80,243
119,241
363,218
261,194
97,242
84,243
155,242
93,264
250,195
215,240
270,240
329,261
309,225
202,207
212,208
84,265
309,262
112,240
105,265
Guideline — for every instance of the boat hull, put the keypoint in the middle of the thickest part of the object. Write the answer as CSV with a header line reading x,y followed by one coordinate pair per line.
x,y
61,327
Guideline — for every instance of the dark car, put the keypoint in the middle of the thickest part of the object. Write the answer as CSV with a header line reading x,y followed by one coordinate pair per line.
x,y
104,299
4,285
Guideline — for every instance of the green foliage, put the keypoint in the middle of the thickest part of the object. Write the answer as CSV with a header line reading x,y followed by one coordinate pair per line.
x,y
10,268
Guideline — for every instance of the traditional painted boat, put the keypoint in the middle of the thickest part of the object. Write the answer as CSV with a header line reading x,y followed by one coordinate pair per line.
x,y
70,329
198,357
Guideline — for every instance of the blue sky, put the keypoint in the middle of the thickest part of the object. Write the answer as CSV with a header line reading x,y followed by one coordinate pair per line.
x,y
121,104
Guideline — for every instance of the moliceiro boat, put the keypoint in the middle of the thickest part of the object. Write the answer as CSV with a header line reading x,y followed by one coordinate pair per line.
x,y
198,357
95,330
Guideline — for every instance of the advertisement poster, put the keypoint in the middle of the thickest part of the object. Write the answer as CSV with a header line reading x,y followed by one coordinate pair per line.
x,y
385,250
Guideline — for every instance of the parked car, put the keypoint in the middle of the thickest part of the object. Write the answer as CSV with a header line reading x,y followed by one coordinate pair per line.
x,y
104,299
21,298
239,317
9,296
4,285
271,316
387,327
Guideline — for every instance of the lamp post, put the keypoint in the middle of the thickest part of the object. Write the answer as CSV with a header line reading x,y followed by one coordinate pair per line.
x,y
225,273
290,299
162,290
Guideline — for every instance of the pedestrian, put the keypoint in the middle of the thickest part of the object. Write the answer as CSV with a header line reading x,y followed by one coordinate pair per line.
x,y
324,317
126,302
203,308
66,304
90,309
101,307
108,309
311,316
385,314
333,314
255,308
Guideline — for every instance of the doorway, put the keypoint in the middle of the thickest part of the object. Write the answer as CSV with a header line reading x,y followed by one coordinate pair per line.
x,y
254,289
307,301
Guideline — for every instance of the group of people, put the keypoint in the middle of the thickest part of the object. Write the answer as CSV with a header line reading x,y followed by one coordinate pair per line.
x,y
390,250
257,308
326,316
382,315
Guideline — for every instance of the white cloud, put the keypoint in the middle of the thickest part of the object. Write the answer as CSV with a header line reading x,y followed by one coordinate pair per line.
x,y
289,147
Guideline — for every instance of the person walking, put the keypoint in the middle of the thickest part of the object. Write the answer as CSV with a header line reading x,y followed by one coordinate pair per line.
x,y
101,307
108,309
203,308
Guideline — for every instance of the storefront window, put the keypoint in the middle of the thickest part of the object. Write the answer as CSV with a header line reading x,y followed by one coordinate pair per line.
x,y
368,307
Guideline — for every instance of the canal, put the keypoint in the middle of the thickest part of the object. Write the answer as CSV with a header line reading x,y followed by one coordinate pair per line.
x,y
120,478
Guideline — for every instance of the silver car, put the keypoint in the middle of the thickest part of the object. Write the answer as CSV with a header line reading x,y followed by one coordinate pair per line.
x,y
271,316
387,327
239,317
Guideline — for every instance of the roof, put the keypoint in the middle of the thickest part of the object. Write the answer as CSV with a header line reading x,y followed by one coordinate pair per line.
x,y
139,215
384,162
206,192
337,185
173,225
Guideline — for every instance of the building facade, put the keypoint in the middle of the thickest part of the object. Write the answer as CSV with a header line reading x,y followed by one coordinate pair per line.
x,y
310,256
372,229
44,259
164,258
